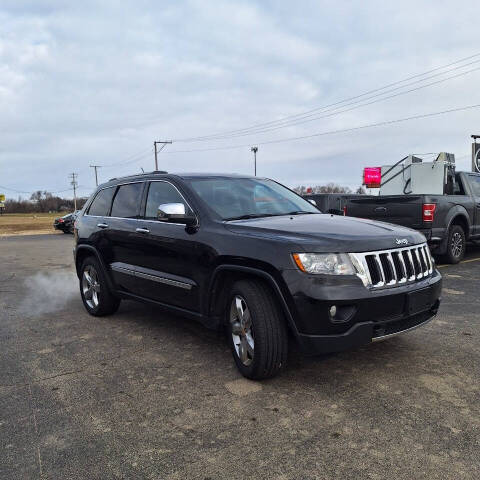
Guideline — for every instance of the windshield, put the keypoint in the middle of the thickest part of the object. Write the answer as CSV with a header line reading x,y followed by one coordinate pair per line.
x,y
238,198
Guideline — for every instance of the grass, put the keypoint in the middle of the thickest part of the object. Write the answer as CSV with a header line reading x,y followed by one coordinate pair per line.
x,y
28,223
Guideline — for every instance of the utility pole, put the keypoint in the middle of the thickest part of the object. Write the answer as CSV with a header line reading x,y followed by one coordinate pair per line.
x,y
156,152
96,176
74,183
255,150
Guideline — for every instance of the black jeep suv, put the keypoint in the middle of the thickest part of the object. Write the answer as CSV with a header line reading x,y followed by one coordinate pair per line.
x,y
250,255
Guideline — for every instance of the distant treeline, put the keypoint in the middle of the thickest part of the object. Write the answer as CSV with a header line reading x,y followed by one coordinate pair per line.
x,y
328,188
42,202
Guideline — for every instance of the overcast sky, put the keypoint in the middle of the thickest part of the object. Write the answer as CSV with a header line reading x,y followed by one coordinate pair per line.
x,y
97,82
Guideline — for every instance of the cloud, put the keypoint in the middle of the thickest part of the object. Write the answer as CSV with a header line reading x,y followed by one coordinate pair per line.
x,y
90,81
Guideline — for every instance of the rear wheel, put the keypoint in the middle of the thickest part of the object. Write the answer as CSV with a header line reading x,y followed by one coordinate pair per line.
x,y
456,244
257,331
96,296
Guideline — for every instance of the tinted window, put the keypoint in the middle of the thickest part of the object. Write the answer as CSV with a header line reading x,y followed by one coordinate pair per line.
x,y
101,205
458,186
160,193
475,182
234,198
127,200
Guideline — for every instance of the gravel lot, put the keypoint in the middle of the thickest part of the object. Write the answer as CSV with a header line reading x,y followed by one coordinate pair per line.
x,y
146,395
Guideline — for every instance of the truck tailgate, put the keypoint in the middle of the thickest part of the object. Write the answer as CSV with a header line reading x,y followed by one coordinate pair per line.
x,y
405,210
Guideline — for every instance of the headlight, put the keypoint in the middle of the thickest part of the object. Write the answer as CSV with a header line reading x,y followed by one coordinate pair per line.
x,y
327,263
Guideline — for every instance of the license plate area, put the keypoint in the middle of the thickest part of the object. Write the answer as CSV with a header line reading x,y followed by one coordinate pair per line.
x,y
419,301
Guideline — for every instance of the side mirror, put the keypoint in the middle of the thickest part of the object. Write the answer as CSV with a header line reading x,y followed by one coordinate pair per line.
x,y
312,201
175,213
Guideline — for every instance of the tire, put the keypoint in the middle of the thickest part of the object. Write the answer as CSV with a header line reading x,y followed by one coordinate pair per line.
x,y
96,296
456,244
256,329
66,231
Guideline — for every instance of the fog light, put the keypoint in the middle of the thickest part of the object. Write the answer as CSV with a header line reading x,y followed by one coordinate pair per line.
x,y
341,313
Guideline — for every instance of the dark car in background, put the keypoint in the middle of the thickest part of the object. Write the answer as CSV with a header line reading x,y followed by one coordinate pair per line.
x,y
250,256
447,221
65,223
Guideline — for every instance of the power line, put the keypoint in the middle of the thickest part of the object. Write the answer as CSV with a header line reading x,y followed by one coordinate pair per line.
x,y
13,190
130,159
356,105
164,144
331,132
38,189
302,114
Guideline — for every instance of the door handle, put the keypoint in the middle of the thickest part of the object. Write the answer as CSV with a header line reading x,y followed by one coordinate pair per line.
x,y
102,225
142,230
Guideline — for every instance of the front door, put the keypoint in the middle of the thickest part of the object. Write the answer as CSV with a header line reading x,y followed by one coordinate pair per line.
x,y
171,259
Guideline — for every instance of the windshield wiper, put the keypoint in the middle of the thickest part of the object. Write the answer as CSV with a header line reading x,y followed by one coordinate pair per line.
x,y
250,215
300,212
260,215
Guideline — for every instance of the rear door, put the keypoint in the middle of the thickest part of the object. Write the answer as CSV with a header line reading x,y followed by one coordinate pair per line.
x,y
123,236
405,210
474,181
96,221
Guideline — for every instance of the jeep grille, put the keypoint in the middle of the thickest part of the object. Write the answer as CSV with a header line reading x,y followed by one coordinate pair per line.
x,y
388,268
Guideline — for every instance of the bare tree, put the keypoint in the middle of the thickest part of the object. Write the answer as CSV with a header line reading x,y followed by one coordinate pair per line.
x,y
42,202
328,188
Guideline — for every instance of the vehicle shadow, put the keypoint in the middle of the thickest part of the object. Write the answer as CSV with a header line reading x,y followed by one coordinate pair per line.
x,y
180,332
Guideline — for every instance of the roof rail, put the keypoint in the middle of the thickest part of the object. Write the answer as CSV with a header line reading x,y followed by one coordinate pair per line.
x,y
163,172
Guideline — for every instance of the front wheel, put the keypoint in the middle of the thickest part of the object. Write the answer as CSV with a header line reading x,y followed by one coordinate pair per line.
x,y
456,244
256,330
96,296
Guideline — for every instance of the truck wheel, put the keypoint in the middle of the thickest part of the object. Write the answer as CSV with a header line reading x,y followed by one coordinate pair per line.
x,y
96,296
256,330
456,244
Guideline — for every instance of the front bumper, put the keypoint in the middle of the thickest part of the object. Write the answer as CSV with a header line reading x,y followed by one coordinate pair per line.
x,y
363,333
369,314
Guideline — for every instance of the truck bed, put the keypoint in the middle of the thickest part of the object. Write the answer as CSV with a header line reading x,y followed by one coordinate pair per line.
x,y
405,210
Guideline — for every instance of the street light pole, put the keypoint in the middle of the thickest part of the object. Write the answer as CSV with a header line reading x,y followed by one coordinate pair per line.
x,y
255,150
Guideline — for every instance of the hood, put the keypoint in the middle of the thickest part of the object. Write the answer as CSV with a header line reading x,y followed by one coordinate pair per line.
x,y
329,233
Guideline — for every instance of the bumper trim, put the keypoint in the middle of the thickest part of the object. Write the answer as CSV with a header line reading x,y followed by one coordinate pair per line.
x,y
394,334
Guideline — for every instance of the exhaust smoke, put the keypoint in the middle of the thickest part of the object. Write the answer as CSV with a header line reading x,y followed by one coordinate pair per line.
x,y
47,292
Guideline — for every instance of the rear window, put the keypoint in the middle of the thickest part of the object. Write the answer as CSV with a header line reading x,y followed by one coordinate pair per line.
x,y
458,186
101,204
475,182
127,201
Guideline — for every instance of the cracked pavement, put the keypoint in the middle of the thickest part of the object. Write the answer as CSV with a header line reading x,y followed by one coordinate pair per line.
x,y
146,395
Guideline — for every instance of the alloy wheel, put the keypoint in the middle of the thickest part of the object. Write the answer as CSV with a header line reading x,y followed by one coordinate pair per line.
x,y
242,334
457,244
90,287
